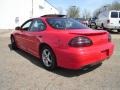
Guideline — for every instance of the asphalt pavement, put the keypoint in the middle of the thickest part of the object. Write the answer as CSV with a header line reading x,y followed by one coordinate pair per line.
x,y
21,71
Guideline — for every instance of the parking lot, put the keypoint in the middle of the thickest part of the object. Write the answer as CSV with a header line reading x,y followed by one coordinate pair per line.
x,y
21,71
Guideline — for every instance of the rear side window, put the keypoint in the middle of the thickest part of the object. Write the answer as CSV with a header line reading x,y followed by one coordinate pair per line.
x,y
114,14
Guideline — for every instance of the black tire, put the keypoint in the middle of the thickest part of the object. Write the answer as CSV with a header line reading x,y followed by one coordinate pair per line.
x,y
13,43
48,58
103,27
90,26
118,30
96,27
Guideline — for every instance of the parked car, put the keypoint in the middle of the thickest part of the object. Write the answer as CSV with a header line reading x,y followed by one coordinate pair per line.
x,y
62,42
92,23
82,20
109,20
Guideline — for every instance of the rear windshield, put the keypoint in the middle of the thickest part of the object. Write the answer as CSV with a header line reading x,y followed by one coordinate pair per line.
x,y
65,23
114,14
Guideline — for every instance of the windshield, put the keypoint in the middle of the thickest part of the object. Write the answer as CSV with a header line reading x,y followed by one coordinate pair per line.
x,y
65,23
114,14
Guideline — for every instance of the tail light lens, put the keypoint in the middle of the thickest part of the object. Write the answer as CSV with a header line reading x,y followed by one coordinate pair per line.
x,y
108,21
80,42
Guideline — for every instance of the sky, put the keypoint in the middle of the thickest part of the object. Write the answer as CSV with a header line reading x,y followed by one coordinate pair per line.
x,y
89,5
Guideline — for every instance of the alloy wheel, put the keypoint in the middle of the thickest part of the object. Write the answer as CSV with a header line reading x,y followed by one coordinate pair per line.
x,y
47,57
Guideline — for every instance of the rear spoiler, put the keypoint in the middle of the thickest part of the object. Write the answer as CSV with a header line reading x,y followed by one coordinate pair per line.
x,y
53,15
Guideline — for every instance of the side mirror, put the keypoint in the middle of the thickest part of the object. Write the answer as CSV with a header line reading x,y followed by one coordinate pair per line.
x,y
18,28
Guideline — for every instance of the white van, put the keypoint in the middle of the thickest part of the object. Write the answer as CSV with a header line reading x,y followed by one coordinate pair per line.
x,y
109,20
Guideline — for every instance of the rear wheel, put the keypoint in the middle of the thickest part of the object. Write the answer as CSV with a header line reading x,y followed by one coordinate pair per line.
x,y
102,26
48,58
96,27
13,43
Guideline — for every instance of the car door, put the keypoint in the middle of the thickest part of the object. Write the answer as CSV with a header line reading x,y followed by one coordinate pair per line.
x,y
34,35
21,35
114,19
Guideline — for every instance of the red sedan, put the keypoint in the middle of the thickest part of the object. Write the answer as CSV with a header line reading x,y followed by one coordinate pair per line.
x,y
63,42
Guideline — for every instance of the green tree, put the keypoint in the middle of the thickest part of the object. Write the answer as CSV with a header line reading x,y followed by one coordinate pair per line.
x,y
73,12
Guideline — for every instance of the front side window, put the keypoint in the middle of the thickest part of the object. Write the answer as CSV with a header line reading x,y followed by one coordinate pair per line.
x,y
38,25
26,25
65,23
114,14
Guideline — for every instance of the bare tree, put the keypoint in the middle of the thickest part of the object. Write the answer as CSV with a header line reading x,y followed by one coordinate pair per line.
x,y
101,9
114,6
73,12
86,14
96,13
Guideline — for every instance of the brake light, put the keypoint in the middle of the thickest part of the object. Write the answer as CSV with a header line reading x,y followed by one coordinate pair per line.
x,y
108,21
80,42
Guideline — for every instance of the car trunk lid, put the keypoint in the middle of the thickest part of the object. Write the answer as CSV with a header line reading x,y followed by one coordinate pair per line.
x,y
97,37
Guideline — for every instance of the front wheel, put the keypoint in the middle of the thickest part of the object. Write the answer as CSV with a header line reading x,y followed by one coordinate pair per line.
x,y
48,58
13,43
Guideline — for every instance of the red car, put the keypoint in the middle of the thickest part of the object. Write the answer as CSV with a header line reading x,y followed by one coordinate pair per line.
x,y
63,42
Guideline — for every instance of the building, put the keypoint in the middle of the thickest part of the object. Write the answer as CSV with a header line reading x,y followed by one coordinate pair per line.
x,y
15,12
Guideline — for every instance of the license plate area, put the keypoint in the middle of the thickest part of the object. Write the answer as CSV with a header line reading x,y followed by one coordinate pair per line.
x,y
105,52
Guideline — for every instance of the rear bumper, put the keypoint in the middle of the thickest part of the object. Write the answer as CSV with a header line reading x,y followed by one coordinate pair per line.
x,y
113,26
74,58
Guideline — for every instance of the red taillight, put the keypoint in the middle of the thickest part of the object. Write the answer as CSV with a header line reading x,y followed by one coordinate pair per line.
x,y
108,21
80,42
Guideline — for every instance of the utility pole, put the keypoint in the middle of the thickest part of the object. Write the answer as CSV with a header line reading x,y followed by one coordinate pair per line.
x,y
32,8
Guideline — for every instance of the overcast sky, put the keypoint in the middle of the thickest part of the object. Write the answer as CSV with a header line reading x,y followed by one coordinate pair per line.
x,y
90,5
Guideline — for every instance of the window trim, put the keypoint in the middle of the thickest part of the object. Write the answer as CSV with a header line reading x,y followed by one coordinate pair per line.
x,y
26,23
119,14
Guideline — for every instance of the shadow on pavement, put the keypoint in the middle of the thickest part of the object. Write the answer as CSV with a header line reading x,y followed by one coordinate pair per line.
x,y
59,71
113,32
73,73
110,31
